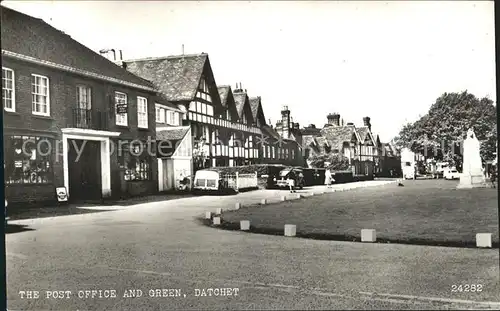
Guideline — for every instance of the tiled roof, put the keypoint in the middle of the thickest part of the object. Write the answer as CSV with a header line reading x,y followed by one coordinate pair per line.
x,y
307,141
362,131
30,36
172,134
337,135
224,91
257,110
310,131
240,100
254,105
177,77
267,130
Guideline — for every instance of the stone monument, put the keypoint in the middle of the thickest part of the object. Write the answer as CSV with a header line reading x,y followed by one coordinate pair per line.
x,y
472,173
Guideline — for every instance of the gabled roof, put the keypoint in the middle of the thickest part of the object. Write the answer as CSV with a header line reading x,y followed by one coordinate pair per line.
x,y
242,104
177,77
269,131
338,135
308,141
364,132
240,99
224,91
32,37
172,133
227,100
257,111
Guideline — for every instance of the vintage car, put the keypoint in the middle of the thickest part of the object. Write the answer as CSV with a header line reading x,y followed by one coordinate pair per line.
x,y
451,174
205,180
292,172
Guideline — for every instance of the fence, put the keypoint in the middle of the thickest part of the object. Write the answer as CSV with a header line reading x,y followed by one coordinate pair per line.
x,y
239,181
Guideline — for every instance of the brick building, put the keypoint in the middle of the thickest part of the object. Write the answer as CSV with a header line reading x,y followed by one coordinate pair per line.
x,y
71,116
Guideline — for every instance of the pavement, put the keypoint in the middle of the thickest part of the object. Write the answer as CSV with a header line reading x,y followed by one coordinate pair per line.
x,y
161,250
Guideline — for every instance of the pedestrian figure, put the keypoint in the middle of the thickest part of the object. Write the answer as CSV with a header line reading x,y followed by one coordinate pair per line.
x,y
493,177
291,181
328,178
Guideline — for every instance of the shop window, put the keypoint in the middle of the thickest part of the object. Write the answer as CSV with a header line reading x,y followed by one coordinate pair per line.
x,y
28,160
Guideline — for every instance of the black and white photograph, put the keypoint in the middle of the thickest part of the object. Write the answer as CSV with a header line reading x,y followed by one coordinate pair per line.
x,y
250,155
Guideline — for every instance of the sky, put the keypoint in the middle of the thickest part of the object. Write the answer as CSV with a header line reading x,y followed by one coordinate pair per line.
x,y
386,60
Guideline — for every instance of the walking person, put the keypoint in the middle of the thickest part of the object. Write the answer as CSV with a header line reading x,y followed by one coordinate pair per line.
x,y
493,177
291,181
328,178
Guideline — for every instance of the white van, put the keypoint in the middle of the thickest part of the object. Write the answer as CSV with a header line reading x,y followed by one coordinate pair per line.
x,y
208,180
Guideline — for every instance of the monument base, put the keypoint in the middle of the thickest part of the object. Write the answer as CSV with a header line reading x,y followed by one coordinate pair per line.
x,y
472,181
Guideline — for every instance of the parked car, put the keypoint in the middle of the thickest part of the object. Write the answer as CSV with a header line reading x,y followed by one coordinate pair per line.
x,y
451,174
292,172
205,180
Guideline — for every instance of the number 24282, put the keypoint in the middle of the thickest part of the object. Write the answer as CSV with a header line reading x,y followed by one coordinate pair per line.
x,y
467,288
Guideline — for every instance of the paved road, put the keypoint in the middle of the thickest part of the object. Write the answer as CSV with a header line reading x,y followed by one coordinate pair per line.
x,y
156,246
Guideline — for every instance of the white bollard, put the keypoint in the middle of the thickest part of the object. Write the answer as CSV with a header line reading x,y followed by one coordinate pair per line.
x,y
237,206
245,225
219,211
283,198
483,240
290,230
368,235
263,201
298,196
208,215
216,221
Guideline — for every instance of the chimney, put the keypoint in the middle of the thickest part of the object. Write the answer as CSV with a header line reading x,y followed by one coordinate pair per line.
x,y
350,124
366,122
285,122
296,126
334,119
183,49
121,55
312,126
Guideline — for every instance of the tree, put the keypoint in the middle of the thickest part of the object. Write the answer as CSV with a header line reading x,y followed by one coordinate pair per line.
x,y
332,161
441,131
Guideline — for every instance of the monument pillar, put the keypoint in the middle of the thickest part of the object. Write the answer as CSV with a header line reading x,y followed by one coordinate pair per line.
x,y
472,174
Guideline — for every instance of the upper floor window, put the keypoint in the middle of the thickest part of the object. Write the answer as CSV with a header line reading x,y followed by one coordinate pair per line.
x,y
173,117
40,95
83,97
160,114
8,89
121,108
228,115
142,112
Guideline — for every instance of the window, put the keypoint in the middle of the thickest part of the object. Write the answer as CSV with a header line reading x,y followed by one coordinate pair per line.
x,y
8,89
137,162
28,160
204,108
198,107
40,95
293,154
83,97
192,106
142,112
160,114
121,100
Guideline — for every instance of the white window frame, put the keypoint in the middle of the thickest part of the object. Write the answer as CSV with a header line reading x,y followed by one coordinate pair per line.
x,y
142,101
46,114
13,91
124,116
89,96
